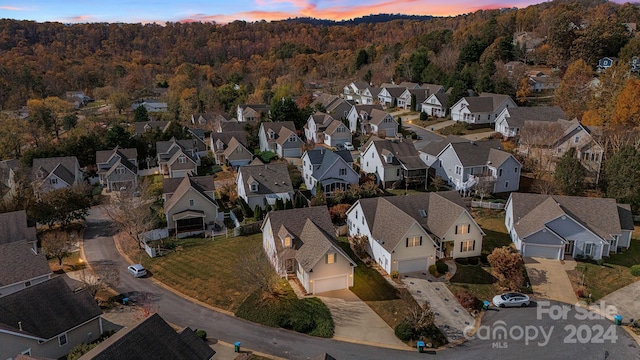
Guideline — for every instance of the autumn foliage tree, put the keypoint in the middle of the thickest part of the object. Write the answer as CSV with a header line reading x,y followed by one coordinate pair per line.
x,y
56,244
627,105
508,267
574,89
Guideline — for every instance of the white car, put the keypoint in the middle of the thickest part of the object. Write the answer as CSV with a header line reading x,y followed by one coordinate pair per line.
x,y
349,146
512,299
137,270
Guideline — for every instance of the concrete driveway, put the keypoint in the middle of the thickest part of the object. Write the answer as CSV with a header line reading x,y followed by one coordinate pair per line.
x,y
549,279
450,316
356,322
625,300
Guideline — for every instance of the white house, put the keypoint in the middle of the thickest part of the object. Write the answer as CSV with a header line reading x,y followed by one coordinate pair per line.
x,y
280,137
360,113
481,109
511,120
436,105
252,112
393,162
379,123
302,242
262,185
555,227
55,173
333,170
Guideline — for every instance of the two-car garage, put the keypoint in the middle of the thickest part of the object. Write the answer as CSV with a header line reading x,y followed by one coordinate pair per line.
x,y
413,265
329,284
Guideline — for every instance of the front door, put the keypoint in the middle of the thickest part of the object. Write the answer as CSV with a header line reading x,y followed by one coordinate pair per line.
x,y
568,247
448,249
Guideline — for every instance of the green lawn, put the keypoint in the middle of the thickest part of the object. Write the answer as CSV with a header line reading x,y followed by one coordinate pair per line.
x,y
403,191
461,129
206,269
475,279
492,223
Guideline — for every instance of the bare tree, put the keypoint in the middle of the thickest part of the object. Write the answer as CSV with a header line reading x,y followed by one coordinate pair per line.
x,y
438,183
131,214
255,270
537,139
56,244
544,187
101,277
420,317
484,186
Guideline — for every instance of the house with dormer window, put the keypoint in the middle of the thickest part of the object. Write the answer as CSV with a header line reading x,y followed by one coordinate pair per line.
x,y
379,123
393,162
262,185
118,168
323,128
55,173
280,137
302,243
230,148
252,112
179,158
483,109
333,170
409,233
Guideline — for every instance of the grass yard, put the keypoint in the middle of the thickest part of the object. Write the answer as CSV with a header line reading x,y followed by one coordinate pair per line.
x,y
70,263
613,274
475,279
461,129
403,191
205,269
492,223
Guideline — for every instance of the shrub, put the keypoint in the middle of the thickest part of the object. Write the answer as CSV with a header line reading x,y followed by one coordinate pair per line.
x,y
581,292
442,267
468,300
423,115
395,274
635,270
508,267
404,331
433,271
201,334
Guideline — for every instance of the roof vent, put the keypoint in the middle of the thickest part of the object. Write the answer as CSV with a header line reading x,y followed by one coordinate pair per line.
x,y
20,325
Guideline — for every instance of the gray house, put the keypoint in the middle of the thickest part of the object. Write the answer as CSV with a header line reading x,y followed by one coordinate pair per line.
x,y
21,267
47,320
511,120
118,168
179,158
334,170
393,162
280,137
55,173
555,227
230,147
262,185
379,123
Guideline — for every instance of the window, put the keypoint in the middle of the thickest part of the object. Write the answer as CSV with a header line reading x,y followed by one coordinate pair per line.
x,y
372,155
458,170
341,129
588,249
239,149
182,160
577,139
272,135
292,138
343,172
422,213
254,187
397,172
363,220
499,172
62,339
192,202
506,184
331,258
53,181
220,145
463,229
356,214
468,245
515,170
287,241
120,170
414,241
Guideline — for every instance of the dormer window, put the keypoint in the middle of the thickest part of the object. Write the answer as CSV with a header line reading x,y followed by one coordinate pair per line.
x,y
292,138
272,135
182,159
287,241
389,158
220,145
254,187
40,174
120,170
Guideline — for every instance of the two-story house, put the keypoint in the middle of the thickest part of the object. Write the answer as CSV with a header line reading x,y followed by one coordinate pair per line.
x,y
379,123
394,96
142,127
118,168
393,162
189,205
360,113
253,112
180,158
481,109
409,233
280,137
467,164
8,178
262,185
510,120
55,173
302,242
230,147
354,91
555,227
421,93
436,105
333,170
369,95
323,128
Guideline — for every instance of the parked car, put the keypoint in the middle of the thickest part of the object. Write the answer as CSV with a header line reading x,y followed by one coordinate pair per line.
x,y
349,146
137,270
511,299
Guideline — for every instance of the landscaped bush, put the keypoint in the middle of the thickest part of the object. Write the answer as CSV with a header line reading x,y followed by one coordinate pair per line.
x,y
635,270
423,116
468,301
404,331
442,267
201,334
430,334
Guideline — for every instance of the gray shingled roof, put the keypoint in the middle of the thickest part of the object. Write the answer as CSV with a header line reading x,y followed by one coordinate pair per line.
x,y
225,137
434,147
6,166
626,217
233,145
47,309
517,116
14,227
63,167
19,263
271,178
402,151
139,127
376,116
486,102
200,184
333,126
103,156
477,153
276,127
326,158
152,339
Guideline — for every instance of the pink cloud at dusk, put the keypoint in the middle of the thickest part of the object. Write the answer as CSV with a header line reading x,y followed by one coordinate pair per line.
x,y
11,8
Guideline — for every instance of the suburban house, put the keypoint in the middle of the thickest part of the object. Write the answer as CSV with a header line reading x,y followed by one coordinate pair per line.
x,y
605,63
360,113
47,320
142,127
436,105
354,91
511,120
547,141
473,165
555,227
333,105
280,137
421,93
203,119
151,105
262,185
395,96
379,123
179,158
322,128
369,95
55,173
118,168
333,170
253,112
302,242
21,266
543,82
230,148
393,162
408,233
152,338
481,109
8,180
189,205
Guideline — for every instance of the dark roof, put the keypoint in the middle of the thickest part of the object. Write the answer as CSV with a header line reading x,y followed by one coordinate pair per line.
x,y
276,127
256,107
63,167
486,102
376,116
226,137
434,147
18,262
396,91
153,339
478,153
271,178
140,126
201,184
326,158
626,217
47,309
6,166
103,156
517,116
14,227
403,152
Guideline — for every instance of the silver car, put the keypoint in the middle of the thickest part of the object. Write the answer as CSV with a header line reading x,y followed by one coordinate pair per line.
x,y
511,299
137,270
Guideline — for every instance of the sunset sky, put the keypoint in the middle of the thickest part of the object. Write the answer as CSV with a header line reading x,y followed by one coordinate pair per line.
x,y
224,11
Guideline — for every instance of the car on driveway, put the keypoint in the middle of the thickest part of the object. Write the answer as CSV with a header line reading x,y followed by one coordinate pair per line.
x,y
349,146
511,299
137,270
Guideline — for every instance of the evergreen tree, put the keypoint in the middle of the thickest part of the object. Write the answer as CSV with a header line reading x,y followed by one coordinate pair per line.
x,y
570,173
622,177
140,114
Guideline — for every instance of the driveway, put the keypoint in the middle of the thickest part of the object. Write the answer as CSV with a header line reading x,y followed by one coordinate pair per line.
x,y
450,316
356,322
625,300
549,279
424,135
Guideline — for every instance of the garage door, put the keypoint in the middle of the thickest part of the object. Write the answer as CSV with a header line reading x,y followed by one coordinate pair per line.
x,y
413,265
179,173
548,252
330,284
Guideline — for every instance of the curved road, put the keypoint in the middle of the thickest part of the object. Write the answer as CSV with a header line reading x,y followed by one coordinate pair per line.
x,y
99,247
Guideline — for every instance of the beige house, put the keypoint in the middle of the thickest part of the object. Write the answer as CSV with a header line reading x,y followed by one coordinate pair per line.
x,y
302,242
189,205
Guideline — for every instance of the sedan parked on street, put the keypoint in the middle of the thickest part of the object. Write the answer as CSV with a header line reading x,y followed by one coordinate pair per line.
x,y
137,270
511,299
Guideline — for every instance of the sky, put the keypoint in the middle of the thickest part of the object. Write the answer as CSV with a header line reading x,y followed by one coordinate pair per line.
x,y
225,11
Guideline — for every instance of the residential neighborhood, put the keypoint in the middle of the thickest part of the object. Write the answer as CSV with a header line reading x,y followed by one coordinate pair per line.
x,y
373,188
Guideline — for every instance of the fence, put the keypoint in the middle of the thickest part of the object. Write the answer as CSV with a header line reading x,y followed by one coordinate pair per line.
x,y
156,234
487,205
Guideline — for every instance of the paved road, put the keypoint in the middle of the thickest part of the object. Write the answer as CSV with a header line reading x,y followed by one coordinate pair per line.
x,y
99,246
